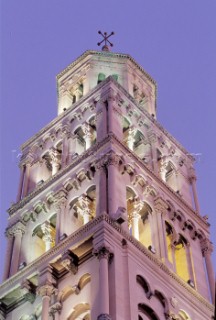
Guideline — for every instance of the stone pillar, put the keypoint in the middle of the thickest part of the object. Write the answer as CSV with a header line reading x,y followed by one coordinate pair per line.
x,y
8,255
47,237
153,138
65,145
160,210
101,118
88,135
116,193
192,179
83,208
55,160
101,188
60,199
45,291
114,120
22,172
163,171
26,179
207,249
104,256
71,147
135,217
17,230
131,138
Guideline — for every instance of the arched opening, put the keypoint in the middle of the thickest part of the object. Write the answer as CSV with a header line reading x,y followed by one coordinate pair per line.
x,y
101,77
169,240
44,236
80,311
145,225
184,315
181,260
144,284
147,311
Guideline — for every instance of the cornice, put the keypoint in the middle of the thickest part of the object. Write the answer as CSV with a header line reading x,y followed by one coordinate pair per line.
x,y
85,232
104,54
161,183
92,151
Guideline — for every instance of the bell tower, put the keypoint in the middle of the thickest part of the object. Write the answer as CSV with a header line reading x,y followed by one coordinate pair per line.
x,y
107,222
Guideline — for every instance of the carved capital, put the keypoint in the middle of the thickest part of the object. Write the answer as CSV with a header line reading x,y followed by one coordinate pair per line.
x,y
103,253
46,290
18,228
192,175
160,205
206,247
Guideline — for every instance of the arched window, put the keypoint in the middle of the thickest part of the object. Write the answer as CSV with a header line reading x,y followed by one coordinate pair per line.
x,y
101,77
169,238
147,311
181,259
145,225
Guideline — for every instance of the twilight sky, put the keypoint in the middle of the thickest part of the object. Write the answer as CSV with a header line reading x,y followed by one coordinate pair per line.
x,y
174,41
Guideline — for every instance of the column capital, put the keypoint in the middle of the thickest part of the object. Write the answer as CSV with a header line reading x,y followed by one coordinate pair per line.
x,y
160,205
192,175
18,228
206,247
103,252
46,290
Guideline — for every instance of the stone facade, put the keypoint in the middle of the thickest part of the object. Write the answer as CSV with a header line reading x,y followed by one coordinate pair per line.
x,y
107,222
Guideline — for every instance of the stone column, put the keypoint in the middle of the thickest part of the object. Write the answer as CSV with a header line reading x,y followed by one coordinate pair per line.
x,y
22,172
17,230
65,145
116,192
8,255
26,179
71,146
114,120
101,118
131,138
163,171
83,208
104,256
45,291
160,209
135,217
60,199
101,188
65,100
88,135
153,139
192,179
55,160
207,249
47,237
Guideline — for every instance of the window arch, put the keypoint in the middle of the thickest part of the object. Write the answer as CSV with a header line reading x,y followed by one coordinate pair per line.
x,y
101,77
147,311
181,259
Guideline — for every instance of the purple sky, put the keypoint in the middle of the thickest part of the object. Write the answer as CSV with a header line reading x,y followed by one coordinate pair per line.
x,y
174,41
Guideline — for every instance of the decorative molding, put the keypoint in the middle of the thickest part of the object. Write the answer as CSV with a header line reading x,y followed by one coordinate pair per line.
x,y
86,231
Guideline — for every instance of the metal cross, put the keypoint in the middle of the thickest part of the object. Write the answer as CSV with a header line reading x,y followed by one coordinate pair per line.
x,y
105,39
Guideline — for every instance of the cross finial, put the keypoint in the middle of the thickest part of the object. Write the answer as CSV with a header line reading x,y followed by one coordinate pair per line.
x,y
105,39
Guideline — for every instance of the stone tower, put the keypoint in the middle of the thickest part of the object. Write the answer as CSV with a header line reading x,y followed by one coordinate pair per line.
x,y
107,222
